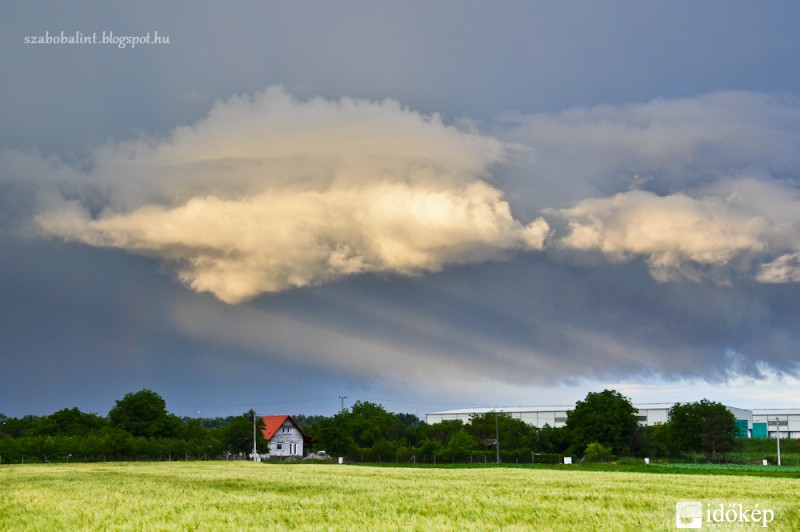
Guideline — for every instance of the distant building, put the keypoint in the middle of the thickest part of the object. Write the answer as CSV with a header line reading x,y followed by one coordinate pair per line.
x,y
771,423
538,416
647,414
285,437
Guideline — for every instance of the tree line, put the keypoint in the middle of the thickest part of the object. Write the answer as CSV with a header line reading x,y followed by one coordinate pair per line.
x,y
137,427
602,427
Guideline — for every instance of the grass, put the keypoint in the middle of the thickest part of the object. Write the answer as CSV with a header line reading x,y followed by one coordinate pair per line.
x,y
248,496
628,466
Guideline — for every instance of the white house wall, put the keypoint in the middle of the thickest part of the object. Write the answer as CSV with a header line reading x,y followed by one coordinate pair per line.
x,y
286,442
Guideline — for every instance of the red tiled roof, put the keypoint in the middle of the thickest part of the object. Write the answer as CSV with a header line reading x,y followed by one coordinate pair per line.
x,y
273,423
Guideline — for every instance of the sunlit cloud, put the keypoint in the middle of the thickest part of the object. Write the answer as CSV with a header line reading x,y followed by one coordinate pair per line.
x,y
271,192
784,269
701,188
731,225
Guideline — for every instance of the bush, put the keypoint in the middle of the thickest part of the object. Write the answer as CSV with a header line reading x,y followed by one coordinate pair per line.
x,y
596,452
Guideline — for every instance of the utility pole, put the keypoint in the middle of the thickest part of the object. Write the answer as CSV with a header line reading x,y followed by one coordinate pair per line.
x,y
341,401
778,436
254,435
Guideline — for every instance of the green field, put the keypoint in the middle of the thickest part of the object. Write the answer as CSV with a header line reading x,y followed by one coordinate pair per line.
x,y
249,496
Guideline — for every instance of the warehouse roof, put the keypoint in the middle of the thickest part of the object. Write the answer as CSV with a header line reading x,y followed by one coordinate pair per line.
x,y
546,408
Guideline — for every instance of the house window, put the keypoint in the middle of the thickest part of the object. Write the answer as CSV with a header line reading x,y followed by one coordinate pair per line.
x,y
280,446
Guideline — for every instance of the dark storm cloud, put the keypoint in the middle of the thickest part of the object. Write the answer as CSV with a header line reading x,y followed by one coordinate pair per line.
x,y
603,113
711,230
100,325
529,322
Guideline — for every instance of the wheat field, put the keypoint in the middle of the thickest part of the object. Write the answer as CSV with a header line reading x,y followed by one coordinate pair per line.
x,y
251,496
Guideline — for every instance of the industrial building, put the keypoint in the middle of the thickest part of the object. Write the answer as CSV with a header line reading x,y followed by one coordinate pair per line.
x,y
749,423
771,423
554,416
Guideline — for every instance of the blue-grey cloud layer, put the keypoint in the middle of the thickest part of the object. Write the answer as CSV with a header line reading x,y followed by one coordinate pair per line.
x,y
658,142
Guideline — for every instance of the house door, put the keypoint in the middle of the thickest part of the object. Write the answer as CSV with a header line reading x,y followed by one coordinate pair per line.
x,y
293,448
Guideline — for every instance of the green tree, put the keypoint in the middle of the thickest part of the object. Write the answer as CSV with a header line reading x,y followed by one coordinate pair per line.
x,y
382,450
440,432
366,428
596,452
42,426
13,427
333,436
237,436
73,422
306,421
514,433
461,444
144,413
550,440
607,418
198,440
704,426
430,449
656,440
370,423
111,442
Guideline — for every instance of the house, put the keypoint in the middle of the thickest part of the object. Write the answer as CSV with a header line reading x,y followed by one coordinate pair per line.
x,y
285,437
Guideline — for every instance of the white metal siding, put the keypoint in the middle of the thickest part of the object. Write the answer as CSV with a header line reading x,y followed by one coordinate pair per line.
x,y
286,442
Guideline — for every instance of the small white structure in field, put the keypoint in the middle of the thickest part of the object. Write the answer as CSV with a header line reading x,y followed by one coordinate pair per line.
x,y
285,437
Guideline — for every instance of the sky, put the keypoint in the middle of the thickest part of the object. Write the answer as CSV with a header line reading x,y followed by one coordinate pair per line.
x,y
293,206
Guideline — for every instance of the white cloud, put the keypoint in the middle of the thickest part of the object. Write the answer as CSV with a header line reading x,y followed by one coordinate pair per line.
x,y
784,269
730,224
700,188
270,192
670,231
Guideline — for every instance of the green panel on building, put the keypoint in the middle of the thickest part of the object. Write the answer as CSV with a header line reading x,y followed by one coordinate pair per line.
x,y
759,430
741,428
